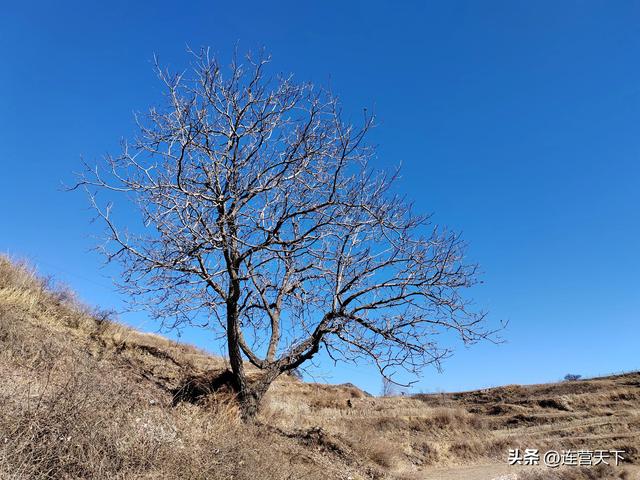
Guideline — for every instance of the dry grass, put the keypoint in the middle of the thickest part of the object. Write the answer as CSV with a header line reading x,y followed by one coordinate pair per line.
x,y
85,397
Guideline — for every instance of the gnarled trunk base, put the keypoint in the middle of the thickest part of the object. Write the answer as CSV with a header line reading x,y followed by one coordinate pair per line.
x,y
250,395
249,402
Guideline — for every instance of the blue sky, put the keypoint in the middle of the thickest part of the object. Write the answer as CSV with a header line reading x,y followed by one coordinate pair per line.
x,y
516,122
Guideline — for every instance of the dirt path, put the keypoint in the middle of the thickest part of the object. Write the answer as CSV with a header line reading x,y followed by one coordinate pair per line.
x,y
491,472
475,472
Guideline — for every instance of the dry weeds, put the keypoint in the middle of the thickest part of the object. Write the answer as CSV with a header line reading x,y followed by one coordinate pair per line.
x,y
85,397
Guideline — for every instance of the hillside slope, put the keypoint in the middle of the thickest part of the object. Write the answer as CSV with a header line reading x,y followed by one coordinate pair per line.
x,y
84,397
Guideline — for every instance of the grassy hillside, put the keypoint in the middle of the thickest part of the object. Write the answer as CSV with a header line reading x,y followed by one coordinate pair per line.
x,y
84,397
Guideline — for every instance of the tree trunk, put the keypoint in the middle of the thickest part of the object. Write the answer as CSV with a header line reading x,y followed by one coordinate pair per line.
x,y
248,403
251,396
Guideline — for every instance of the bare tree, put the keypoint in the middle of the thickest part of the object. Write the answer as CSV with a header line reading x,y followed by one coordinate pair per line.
x,y
261,218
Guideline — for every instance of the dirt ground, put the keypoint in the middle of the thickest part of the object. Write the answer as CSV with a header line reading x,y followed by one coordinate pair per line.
x,y
498,472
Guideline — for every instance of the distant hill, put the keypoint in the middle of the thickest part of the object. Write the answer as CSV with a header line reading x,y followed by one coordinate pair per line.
x,y
83,397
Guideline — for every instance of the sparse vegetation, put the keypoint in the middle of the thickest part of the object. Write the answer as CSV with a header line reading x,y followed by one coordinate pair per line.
x,y
85,397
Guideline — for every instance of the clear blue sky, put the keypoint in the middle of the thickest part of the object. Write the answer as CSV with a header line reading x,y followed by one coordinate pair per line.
x,y
517,122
